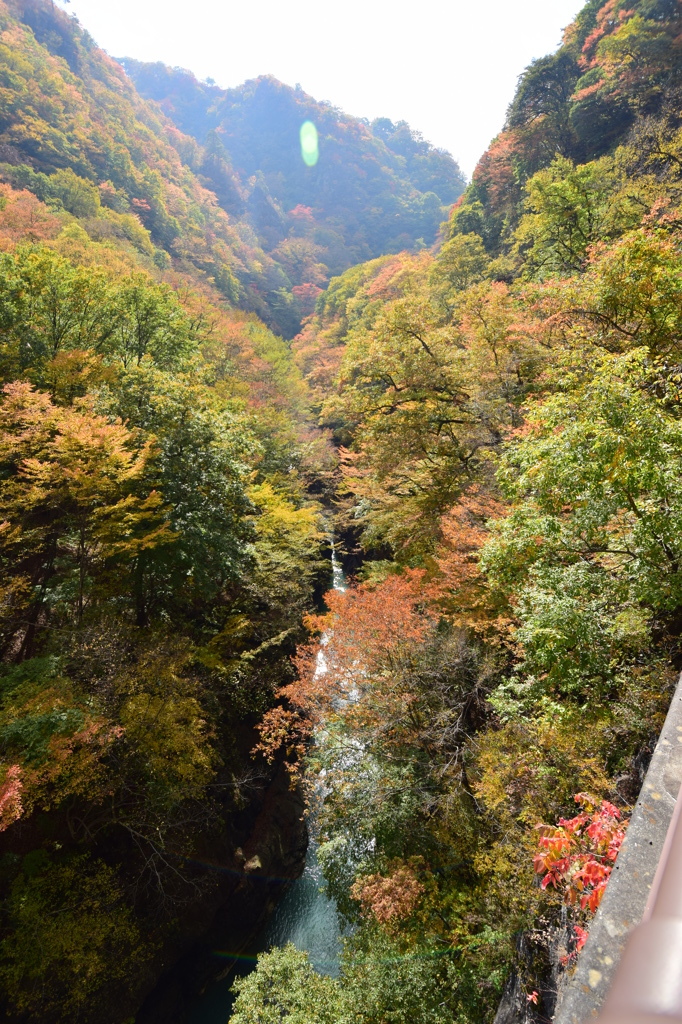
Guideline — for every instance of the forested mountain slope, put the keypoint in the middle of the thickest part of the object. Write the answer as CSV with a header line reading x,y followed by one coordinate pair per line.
x,y
68,109
507,408
74,132
615,79
376,188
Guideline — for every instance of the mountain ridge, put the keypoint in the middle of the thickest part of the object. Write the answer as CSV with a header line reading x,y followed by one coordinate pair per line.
x,y
378,187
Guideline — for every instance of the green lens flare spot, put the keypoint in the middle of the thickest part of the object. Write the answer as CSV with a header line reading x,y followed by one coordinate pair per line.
x,y
310,150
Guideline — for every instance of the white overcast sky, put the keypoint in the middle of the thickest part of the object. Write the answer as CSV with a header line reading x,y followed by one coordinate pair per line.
x,y
448,67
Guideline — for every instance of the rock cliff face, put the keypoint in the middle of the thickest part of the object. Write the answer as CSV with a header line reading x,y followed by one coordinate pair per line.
x,y
264,852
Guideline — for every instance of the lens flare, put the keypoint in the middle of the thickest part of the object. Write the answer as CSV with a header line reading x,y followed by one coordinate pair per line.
x,y
309,144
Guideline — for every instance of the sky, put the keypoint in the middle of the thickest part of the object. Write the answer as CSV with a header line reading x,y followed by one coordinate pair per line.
x,y
447,67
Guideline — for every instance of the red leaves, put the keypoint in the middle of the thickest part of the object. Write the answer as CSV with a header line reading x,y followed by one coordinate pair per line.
x,y
578,855
10,797
302,213
581,937
23,218
496,170
306,295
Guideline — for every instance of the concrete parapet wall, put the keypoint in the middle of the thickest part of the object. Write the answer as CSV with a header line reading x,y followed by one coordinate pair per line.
x,y
625,899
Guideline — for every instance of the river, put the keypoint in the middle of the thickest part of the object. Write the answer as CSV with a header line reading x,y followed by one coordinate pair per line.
x,y
305,915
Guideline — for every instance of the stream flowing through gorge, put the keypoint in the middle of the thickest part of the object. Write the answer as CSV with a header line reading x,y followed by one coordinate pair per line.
x,y
305,916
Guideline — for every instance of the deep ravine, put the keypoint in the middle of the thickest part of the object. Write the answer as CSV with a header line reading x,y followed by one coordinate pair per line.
x,y
305,916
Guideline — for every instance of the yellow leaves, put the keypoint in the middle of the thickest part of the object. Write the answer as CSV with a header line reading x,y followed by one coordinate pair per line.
x,y
168,735
74,765
72,935
424,391
171,734
636,40
529,770
72,374
132,525
281,521
25,419
58,741
72,461
86,459
288,537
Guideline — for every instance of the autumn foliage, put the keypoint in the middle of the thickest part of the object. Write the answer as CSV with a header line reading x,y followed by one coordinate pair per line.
x,y
11,806
389,899
487,420
577,856
353,673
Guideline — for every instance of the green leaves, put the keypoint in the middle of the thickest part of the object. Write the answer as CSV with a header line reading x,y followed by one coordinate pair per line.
x,y
590,553
52,307
601,463
382,983
285,989
569,209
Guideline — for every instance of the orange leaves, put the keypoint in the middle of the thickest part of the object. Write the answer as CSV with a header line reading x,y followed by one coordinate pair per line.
x,y
577,855
607,21
24,218
283,729
356,672
459,588
393,275
464,533
630,49
56,748
389,899
74,765
381,621
496,171
366,672
306,295
66,456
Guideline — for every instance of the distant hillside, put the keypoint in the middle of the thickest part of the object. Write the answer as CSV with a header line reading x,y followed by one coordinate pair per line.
x,y
257,223
377,188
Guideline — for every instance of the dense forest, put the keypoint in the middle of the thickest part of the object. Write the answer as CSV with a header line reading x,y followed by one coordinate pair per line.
x,y
486,414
